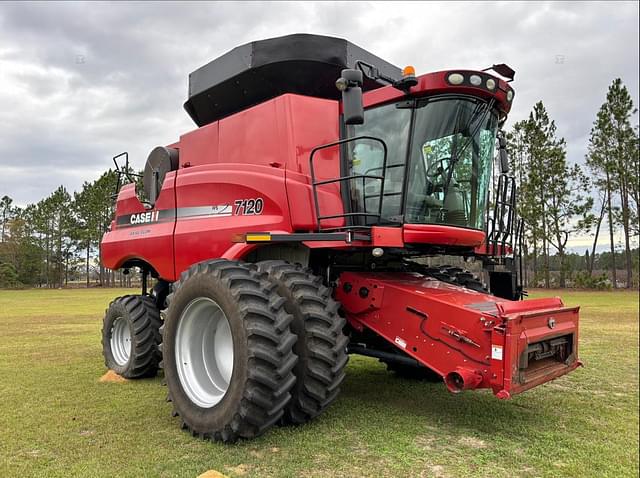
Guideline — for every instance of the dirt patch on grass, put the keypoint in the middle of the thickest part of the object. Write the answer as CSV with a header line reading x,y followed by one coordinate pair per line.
x,y
212,474
239,470
112,377
472,442
426,442
434,471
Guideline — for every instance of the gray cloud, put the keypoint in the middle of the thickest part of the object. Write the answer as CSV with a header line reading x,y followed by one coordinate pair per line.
x,y
80,82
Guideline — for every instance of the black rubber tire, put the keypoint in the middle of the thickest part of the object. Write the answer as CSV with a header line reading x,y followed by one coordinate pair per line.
x,y
144,323
160,292
321,345
262,375
413,373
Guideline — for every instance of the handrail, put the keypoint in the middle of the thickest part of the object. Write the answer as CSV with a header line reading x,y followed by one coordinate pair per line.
x,y
340,180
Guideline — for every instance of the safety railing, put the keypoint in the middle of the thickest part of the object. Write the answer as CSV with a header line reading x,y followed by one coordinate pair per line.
x,y
502,224
349,214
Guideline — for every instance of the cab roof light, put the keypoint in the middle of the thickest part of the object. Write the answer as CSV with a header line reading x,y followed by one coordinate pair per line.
x,y
456,78
408,71
475,80
408,79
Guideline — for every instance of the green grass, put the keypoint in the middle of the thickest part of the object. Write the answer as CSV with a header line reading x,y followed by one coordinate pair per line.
x,y
58,420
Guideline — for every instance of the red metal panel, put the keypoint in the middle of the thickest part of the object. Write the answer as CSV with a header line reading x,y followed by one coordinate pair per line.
x,y
153,242
199,237
437,234
426,340
530,326
386,237
303,213
199,146
251,137
312,122
460,332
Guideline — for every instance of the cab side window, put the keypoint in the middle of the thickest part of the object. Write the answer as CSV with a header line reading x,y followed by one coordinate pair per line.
x,y
390,124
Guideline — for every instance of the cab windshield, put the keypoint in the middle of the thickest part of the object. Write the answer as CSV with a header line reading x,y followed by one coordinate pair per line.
x,y
444,147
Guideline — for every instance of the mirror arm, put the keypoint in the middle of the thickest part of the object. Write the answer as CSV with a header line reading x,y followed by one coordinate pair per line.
x,y
503,154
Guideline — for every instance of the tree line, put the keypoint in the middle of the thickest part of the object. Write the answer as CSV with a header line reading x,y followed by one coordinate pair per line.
x,y
557,199
57,240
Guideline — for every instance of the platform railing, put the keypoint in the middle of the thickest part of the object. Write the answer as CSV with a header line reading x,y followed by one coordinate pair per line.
x,y
348,214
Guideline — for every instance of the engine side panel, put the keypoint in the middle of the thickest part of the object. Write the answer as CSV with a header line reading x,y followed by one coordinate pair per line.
x,y
142,234
217,202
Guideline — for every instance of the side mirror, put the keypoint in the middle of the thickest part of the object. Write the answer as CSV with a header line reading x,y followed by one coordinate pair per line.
x,y
350,84
504,155
504,161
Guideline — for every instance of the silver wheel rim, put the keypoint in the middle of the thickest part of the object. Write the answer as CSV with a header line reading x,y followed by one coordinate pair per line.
x,y
204,352
120,341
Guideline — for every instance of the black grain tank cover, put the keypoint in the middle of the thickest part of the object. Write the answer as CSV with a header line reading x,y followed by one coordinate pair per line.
x,y
258,71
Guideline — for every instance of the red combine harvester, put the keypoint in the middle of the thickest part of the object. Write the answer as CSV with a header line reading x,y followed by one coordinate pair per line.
x,y
294,225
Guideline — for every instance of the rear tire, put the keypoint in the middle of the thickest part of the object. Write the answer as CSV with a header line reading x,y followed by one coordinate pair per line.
x,y
130,336
321,345
231,376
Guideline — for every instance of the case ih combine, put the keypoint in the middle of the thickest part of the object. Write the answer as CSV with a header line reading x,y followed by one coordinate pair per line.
x,y
291,227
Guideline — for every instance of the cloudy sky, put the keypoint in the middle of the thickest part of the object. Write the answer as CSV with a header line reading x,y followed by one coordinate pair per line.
x,y
80,83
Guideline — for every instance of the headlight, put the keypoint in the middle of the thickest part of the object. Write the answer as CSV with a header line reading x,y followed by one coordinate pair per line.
x,y
456,78
475,80
509,95
491,84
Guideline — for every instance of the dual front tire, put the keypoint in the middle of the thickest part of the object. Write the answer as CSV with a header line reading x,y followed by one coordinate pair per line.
x,y
247,346
240,389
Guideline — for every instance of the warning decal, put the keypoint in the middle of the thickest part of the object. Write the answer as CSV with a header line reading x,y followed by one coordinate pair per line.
x,y
401,342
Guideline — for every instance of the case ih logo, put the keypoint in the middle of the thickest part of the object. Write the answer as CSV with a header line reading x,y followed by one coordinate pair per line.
x,y
144,217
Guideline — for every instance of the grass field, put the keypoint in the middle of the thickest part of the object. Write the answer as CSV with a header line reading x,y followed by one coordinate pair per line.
x,y
57,420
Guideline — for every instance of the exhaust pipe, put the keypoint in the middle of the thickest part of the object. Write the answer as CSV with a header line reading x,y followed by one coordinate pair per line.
x,y
462,379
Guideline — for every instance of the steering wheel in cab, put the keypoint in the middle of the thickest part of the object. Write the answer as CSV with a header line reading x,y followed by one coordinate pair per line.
x,y
436,175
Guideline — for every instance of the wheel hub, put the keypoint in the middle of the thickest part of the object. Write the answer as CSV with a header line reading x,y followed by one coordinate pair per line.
x,y
121,341
204,352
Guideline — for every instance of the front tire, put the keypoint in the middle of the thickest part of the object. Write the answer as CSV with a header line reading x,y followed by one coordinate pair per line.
x,y
130,336
227,349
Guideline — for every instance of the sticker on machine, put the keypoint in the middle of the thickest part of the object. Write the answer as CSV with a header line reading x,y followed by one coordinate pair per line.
x,y
401,342
198,212
496,352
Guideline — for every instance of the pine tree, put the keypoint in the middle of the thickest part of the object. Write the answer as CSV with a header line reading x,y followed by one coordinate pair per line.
x,y
527,204
568,204
613,160
552,198
541,141
6,210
